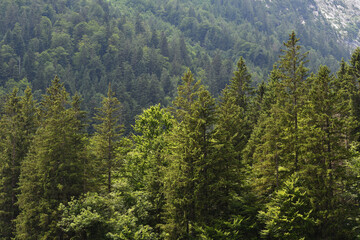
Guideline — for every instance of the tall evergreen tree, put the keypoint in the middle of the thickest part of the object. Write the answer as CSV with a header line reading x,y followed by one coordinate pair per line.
x,y
326,123
351,74
17,126
52,171
292,88
107,136
188,196
232,131
276,153
240,85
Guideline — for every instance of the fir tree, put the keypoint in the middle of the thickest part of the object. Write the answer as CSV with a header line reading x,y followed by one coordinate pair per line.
x,y
289,213
232,131
17,128
276,154
292,78
52,171
263,150
326,123
188,197
107,136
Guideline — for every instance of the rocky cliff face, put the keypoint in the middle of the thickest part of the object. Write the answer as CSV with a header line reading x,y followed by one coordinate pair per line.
x,y
339,19
343,16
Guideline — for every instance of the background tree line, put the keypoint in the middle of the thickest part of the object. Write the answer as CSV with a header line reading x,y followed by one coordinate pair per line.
x,y
279,161
143,47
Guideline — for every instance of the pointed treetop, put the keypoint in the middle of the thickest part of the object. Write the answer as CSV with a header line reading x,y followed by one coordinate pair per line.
x,y
239,88
292,51
355,62
110,92
56,97
292,40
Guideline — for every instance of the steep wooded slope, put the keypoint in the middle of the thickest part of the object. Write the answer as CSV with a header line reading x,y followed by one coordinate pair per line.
x,y
144,46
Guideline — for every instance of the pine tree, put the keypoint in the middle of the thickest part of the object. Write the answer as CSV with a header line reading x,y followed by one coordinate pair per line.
x,y
17,127
107,136
52,171
189,200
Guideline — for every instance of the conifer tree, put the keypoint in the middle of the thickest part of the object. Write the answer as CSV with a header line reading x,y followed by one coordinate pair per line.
x,y
232,132
263,151
189,200
289,214
292,88
240,85
276,154
352,75
326,123
107,136
17,126
52,171
355,63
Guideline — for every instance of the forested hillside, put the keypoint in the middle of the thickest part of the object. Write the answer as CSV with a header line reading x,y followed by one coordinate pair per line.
x,y
143,47
279,161
176,120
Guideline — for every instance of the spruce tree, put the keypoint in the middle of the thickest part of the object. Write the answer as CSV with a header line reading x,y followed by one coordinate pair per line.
x,y
351,74
52,171
232,131
292,88
107,137
275,146
240,85
263,151
188,196
17,126
233,127
289,214
326,123
355,63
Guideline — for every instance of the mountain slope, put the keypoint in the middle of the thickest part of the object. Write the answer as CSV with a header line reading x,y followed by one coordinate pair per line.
x,y
144,46
344,17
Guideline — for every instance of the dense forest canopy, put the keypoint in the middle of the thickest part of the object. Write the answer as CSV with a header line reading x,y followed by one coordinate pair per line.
x,y
141,120
143,47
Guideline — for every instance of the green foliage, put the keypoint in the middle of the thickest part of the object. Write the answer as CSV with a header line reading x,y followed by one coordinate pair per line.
x,y
17,126
51,173
276,152
189,198
89,43
107,137
326,129
145,164
289,214
106,217
279,159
